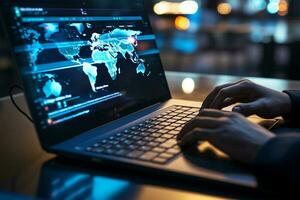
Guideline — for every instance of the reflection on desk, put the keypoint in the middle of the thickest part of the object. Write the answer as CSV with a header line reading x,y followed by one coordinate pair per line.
x,y
60,179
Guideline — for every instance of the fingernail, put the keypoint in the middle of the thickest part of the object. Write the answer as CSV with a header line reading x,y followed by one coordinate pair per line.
x,y
237,109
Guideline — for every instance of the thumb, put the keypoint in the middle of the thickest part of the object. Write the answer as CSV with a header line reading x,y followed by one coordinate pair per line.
x,y
248,109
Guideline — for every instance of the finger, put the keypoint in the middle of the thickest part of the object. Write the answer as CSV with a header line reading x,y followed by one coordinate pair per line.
x,y
228,92
213,113
230,101
200,122
248,109
197,134
209,99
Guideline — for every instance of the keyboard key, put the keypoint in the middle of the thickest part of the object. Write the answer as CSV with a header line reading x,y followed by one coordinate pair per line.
x,y
185,108
173,151
148,156
114,142
159,150
128,142
159,160
145,148
171,120
126,131
181,115
162,131
168,136
136,138
174,132
156,122
165,155
152,144
122,152
160,140
144,134
135,154
169,127
156,135
177,118
119,146
104,141
148,138
152,130
141,143
99,150
96,145
135,132
89,149
168,144
109,151
172,141
165,124
107,146
132,147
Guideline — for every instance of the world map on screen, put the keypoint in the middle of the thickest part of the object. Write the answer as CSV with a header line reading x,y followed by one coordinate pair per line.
x,y
105,48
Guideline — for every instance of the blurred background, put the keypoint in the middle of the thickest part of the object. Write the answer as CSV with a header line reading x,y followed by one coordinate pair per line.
x,y
259,38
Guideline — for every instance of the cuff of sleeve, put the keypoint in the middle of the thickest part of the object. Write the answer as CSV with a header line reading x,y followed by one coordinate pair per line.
x,y
278,149
294,95
279,158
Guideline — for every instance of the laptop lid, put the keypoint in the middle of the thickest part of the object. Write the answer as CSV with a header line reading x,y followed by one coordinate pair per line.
x,y
83,62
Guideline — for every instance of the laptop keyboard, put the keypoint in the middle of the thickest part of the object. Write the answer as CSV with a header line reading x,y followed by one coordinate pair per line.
x,y
153,140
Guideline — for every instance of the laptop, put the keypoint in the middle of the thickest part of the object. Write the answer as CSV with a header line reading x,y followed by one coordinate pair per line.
x,y
97,91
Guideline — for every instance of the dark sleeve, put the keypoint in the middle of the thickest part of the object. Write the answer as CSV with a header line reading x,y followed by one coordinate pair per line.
x,y
278,161
294,117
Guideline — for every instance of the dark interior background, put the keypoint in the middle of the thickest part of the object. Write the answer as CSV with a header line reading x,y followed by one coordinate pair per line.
x,y
234,37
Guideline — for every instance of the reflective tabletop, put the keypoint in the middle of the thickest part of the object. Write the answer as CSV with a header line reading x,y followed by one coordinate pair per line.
x,y
29,171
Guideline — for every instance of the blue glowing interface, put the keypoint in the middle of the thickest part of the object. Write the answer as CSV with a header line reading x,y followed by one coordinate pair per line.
x,y
87,63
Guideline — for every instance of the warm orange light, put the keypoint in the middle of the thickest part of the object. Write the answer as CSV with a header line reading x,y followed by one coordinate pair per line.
x,y
283,8
187,7
182,23
224,8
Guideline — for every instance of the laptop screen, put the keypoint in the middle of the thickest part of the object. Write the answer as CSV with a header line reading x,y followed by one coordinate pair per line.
x,y
84,63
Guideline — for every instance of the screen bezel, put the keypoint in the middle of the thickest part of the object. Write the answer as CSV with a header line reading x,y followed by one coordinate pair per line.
x,y
48,140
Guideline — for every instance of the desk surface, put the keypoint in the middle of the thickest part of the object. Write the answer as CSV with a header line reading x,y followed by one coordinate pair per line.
x,y
28,170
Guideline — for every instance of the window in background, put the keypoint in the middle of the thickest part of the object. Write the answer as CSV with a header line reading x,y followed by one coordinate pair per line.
x,y
235,37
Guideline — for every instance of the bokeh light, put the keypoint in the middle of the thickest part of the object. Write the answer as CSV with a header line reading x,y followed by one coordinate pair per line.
x,y
224,8
283,8
273,7
188,85
182,23
187,7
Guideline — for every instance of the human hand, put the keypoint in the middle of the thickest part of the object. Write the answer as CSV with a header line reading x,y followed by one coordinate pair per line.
x,y
254,99
228,131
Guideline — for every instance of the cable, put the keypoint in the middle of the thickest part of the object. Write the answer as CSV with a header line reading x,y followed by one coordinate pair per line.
x,y
12,88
